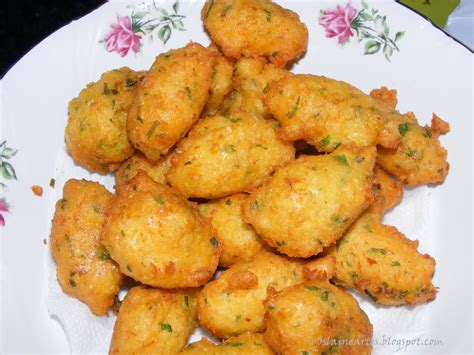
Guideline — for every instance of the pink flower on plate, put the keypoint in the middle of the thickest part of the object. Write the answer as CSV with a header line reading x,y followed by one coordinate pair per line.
x,y
121,37
3,208
337,22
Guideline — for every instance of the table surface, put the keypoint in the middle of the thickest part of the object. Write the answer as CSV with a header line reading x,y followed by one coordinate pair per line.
x,y
25,23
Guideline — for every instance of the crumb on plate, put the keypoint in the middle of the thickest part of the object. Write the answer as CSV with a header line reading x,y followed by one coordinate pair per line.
x,y
37,190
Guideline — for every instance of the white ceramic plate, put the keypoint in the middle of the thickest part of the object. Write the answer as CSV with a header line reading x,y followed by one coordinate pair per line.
x,y
432,73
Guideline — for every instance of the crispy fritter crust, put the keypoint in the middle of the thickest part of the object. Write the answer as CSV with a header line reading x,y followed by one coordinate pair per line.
x,y
386,96
221,82
157,237
387,191
302,318
255,28
84,268
321,268
203,346
170,99
96,135
246,343
238,240
138,162
233,303
152,321
227,154
308,204
250,83
380,262
438,125
419,158
327,113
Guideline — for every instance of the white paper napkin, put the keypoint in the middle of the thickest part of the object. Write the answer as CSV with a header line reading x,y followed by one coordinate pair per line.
x,y
87,333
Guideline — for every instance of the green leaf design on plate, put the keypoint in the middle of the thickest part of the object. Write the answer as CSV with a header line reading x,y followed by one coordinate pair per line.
x,y
6,169
178,25
7,153
164,34
8,173
371,47
387,51
176,7
164,14
399,36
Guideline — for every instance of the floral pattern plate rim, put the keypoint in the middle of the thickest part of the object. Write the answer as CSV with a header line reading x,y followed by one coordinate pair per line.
x,y
431,73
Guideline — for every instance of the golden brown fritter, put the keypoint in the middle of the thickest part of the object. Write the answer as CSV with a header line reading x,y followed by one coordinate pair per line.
x,y
255,28
308,204
388,192
203,346
419,158
238,240
233,303
84,268
251,79
438,125
138,162
246,343
385,95
157,237
227,154
153,321
321,268
170,99
327,113
221,82
317,318
380,262
96,135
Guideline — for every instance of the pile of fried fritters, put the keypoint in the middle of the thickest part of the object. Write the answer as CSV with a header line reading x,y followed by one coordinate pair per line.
x,y
225,159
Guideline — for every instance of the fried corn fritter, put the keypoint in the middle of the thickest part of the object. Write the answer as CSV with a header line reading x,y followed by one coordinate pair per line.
x,y
327,113
96,135
233,303
203,346
251,79
238,240
157,237
377,260
153,321
138,162
322,268
308,204
255,28
227,154
83,266
419,158
380,262
387,191
246,343
221,85
385,95
316,318
170,99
